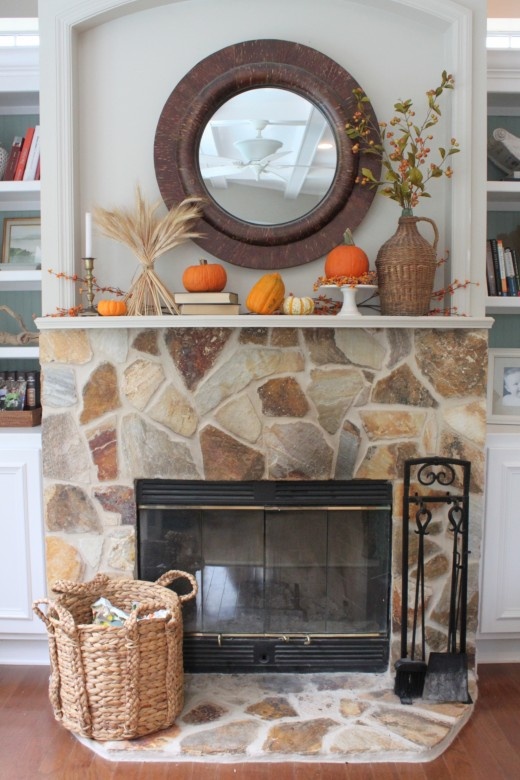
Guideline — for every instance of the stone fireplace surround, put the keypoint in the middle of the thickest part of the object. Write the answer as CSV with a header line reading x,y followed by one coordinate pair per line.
x,y
252,403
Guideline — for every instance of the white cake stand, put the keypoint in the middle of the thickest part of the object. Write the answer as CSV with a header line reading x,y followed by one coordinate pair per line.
x,y
349,307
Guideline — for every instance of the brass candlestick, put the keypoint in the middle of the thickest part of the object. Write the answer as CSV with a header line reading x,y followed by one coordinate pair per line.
x,y
90,311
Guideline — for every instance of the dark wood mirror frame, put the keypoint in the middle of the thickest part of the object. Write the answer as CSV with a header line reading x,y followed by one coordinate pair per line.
x,y
212,82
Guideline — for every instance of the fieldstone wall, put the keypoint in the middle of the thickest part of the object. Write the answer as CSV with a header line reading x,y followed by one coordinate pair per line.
x,y
221,403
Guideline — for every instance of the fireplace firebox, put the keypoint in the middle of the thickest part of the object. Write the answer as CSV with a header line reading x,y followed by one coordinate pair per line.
x,y
294,576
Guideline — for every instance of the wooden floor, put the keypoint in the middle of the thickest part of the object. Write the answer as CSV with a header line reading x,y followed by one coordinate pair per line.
x,y
33,745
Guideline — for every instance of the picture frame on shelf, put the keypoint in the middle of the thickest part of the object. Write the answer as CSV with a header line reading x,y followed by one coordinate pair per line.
x,y
21,243
504,386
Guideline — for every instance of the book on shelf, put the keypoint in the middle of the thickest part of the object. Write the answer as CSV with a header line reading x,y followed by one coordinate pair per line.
x,y
24,154
206,297
34,156
490,271
209,308
496,265
512,286
12,160
502,267
516,268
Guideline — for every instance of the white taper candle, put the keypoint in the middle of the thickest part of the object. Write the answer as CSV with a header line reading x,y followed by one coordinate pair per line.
x,y
88,234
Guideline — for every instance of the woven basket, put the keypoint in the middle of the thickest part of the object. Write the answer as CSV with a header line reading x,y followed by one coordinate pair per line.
x,y
406,266
111,683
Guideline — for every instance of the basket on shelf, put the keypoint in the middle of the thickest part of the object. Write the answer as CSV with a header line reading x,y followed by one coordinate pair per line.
x,y
111,683
27,418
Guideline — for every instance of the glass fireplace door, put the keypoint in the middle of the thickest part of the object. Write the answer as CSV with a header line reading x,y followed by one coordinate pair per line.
x,y
274,571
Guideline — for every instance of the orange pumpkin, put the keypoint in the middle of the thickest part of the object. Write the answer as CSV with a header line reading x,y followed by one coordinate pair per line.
x,y
266,295
111,308
347,259
205,277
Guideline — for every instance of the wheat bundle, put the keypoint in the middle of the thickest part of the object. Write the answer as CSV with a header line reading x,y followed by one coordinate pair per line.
x,y
149,237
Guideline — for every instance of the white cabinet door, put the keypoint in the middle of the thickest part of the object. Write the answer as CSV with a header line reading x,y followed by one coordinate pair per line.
x,y
500,597
22,568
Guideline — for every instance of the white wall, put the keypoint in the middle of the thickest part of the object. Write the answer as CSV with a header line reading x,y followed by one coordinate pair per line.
x,y
19,8
128,66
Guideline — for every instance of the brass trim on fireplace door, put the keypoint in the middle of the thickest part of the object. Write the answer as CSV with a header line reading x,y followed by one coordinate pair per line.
x,y
283,637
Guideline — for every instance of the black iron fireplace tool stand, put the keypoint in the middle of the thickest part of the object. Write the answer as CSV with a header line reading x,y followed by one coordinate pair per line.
x,y
445,676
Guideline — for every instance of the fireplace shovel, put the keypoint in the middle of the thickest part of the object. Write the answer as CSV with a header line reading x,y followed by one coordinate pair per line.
x,y
447,675
410,673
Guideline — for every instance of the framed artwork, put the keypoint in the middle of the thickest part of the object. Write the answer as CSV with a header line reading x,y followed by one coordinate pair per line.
x,y
22,241
504,386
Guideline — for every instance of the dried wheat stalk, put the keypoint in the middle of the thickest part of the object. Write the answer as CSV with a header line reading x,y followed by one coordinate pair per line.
x,y
149,237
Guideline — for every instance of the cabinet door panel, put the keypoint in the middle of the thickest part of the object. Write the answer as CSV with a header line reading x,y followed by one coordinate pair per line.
x,y
501,571
21,553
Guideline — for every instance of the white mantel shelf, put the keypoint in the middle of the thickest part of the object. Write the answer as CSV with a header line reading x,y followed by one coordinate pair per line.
x,y
261,321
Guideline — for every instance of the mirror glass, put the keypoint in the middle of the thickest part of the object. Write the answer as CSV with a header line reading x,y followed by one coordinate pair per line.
x,y
268,156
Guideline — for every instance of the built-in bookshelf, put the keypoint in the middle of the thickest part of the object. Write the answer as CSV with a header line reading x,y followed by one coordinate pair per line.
x,y
503,196
20,281
20,287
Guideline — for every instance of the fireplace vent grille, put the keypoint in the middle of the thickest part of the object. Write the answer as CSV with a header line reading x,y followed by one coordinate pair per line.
x,y
245,654
156,492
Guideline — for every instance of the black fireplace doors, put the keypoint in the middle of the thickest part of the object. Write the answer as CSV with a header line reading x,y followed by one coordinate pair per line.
x,y
293,576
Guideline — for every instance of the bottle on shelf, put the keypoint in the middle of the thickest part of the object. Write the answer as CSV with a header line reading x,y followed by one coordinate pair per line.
x,y
32,391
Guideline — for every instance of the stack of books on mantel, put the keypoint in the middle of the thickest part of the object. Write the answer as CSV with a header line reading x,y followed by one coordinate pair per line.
x,y
207,303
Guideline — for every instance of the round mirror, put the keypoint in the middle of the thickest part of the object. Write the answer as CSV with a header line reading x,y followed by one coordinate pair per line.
x,y
218,139
268,156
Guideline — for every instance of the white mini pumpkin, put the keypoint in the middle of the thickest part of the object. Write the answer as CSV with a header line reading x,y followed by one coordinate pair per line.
x,y
294,305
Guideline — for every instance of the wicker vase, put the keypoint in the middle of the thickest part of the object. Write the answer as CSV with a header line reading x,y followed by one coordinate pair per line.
x,y
406,266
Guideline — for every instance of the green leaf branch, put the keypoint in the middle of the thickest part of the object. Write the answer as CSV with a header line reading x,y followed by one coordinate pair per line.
x,y
403,145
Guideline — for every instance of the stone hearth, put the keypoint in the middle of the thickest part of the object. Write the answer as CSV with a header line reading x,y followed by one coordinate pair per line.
x,y
252,403
312,718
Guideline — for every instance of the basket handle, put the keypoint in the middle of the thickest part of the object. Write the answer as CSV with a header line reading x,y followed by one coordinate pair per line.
x,y
435,231
42,615
54,680
169,576
70,586
66,621
148,608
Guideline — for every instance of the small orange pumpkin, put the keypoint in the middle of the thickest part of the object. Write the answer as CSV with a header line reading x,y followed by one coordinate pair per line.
x,y
111,308
347,259
205,277
266,295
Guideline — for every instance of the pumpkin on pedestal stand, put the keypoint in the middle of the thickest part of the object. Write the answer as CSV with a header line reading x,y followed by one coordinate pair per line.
x,y
347,259
347,268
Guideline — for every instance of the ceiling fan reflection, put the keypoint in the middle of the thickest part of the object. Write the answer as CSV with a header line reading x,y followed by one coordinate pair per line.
x,y
257,167
257,155
237,167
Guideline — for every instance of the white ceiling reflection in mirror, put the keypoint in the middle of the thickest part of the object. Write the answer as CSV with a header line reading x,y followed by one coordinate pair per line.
x,y
268,156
